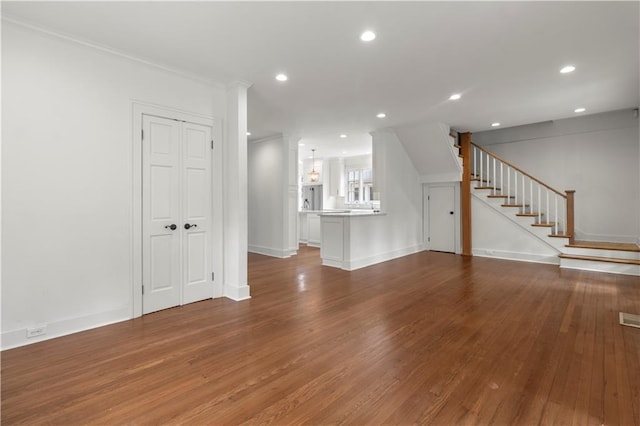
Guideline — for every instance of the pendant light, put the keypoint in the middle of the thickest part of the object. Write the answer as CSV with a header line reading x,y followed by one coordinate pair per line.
x,y
313,176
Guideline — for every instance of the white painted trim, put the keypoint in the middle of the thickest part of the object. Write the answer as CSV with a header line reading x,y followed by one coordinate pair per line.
x,y
236,293
269,251
511,255
595,266
111,51
16,338
138,108
372,260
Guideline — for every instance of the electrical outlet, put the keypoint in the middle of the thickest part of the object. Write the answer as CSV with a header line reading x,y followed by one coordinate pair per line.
x,y
36,331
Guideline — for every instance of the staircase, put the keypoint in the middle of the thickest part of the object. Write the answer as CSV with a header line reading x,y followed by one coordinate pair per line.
x,y
543,211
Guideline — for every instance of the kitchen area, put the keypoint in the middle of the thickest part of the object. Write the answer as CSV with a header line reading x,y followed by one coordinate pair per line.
x,y
333,186
305,192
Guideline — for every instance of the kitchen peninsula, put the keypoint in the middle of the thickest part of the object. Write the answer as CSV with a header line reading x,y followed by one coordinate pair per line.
x,y
353,239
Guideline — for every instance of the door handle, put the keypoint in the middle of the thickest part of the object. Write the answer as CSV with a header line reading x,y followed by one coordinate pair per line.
x,y
173,227
187,226
450,212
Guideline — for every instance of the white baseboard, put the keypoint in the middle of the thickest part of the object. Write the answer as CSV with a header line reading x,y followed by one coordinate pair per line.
x,y
236,293
16,338
268,251
522,257
378,258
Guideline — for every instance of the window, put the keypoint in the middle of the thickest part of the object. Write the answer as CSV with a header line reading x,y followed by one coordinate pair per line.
x,y
359,186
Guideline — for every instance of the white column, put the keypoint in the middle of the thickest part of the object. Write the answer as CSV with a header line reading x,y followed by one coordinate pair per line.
x,y
236,286
290,191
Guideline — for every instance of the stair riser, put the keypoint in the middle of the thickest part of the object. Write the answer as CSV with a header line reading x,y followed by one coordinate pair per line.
x,y
542,232
591,265
619,254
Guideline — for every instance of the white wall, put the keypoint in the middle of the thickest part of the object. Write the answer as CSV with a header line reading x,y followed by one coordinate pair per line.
x,y
431,150
597,155
495,235
396,179
67,178
273,199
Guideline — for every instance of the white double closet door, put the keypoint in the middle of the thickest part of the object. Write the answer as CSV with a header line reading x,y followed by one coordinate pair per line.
x,y
176,213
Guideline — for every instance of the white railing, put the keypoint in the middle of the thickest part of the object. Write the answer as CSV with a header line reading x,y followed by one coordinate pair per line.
x,y
523,191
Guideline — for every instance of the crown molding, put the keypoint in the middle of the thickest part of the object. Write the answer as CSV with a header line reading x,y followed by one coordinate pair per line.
x,y
111,51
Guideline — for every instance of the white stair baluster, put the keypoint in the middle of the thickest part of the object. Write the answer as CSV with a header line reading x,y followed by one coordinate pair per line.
x,y
494,175
515,185
481,162
539,206
508,184
524,199
555,226
475,162
548,211
531,195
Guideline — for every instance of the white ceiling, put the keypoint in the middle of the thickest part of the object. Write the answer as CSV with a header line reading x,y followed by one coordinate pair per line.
x,y
503,57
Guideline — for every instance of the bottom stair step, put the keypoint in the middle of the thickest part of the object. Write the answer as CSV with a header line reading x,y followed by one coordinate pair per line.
x,y
600,259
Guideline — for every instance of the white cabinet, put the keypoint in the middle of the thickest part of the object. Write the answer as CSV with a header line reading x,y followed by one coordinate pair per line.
x,y
336,178
304,228
314,237
310,229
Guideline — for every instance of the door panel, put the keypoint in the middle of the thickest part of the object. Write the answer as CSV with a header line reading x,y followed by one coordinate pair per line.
x,y
160,209
196,193
442,218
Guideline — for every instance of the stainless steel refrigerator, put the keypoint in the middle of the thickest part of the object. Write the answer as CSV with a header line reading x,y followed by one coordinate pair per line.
x,y
312,197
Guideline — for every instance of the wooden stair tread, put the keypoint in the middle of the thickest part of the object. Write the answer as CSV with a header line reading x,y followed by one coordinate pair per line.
x,y
559,236
600,259
529,214
457,146
515,205
500,196
548,225
601,245
487,187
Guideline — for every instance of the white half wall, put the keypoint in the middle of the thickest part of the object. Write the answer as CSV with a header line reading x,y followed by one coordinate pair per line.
x,y
396,179
67,184
597,155
273,196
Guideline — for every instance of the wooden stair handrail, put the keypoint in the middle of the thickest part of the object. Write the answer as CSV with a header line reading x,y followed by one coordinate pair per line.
x,y
497,157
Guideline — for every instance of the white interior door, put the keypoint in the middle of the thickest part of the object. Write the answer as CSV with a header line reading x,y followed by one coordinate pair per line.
x,y
196,208
160,214
442,218
177,213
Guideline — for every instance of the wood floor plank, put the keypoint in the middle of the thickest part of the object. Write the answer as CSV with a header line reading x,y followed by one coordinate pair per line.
x,y
430,338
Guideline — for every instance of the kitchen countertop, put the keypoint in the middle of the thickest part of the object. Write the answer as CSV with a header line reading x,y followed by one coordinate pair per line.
x,y
352,213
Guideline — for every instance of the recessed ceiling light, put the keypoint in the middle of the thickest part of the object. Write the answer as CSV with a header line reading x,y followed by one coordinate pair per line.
x,y
344,152
367,36
579,110
567,69
455,97
282,77
248,133
300,144
343,136
496,124
381,115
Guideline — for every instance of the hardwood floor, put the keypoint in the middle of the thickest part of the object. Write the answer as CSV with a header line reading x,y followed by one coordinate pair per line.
x,y
430,338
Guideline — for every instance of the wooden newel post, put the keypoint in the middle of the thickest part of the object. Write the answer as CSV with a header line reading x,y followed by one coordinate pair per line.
x,y
570,209
465,193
